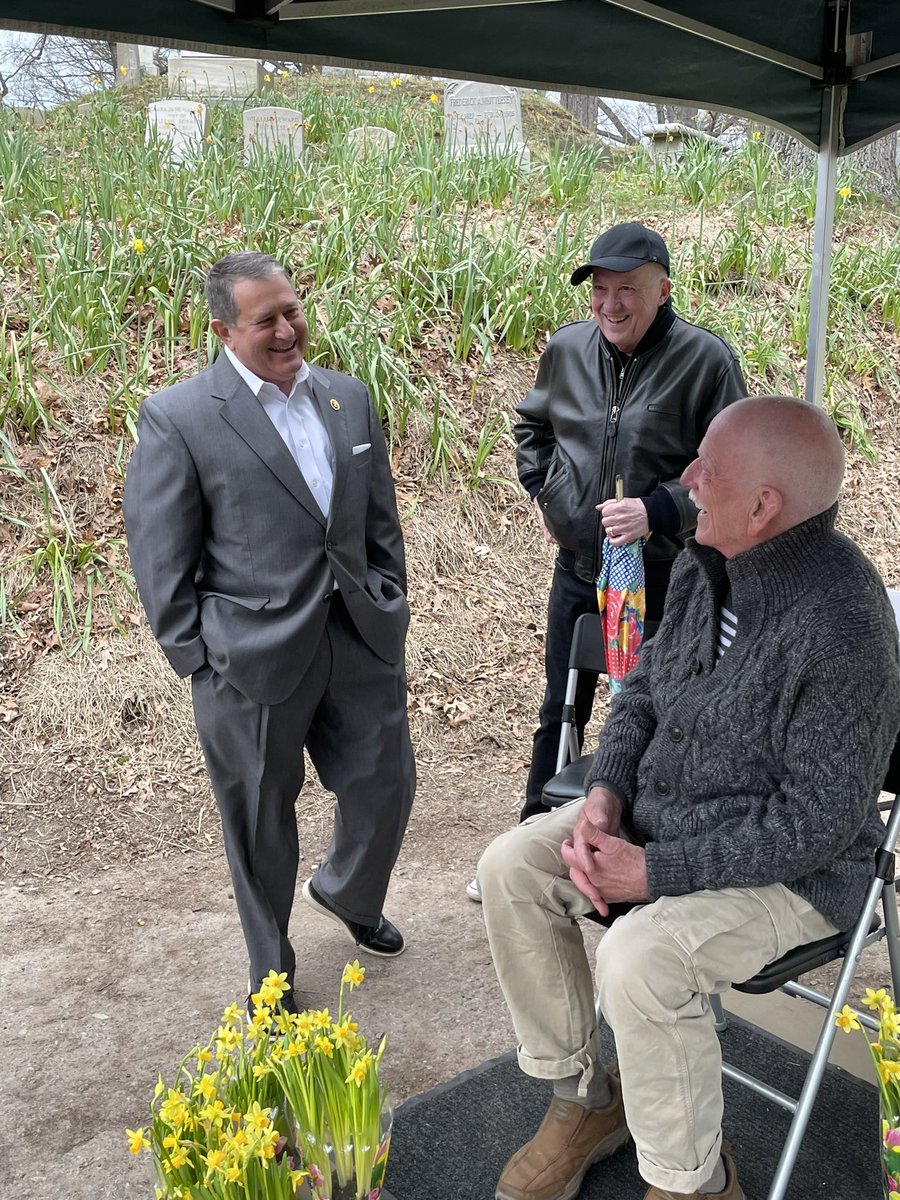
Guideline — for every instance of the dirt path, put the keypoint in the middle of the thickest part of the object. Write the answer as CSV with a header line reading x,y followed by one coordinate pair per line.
x,y
111,979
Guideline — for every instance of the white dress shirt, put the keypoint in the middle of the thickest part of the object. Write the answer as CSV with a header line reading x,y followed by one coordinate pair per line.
x,y
300,425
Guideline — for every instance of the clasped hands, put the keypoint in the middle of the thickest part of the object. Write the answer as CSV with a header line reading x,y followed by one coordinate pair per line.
x,y
601,864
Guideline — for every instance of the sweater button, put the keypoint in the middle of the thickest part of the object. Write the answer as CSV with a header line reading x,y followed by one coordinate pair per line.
x,y
675,733
661,787
696,666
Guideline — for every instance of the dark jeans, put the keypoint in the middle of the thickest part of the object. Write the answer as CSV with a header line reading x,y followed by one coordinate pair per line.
x,y
569,598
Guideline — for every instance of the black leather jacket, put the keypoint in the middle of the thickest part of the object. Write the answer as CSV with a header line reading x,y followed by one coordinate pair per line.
x,y
591,416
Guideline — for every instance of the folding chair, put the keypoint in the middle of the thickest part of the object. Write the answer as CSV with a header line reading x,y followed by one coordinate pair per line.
x,y
587,654
785,971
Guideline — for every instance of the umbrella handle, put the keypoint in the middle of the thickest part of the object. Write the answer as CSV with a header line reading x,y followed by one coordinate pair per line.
x,y
620,488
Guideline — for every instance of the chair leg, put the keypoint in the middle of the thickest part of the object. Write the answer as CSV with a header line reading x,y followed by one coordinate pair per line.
x,y
892,934
715,1003
819,1060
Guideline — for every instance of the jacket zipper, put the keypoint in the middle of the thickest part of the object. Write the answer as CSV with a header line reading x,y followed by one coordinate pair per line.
x,y
617,402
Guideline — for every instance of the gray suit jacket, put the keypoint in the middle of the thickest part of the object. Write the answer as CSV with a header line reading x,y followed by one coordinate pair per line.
x,y
233,559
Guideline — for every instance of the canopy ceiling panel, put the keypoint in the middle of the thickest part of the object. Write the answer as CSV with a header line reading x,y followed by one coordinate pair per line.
x,y
769,58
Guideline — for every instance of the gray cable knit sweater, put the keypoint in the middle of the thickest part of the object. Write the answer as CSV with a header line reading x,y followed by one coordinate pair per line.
x,y
764,767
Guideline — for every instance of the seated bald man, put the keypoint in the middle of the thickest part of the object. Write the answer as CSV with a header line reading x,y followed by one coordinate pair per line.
x,y
732,802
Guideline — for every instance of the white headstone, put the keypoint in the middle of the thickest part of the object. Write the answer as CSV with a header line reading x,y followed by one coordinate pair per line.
x,y
178,125
483,118
211,75
266,129
370,139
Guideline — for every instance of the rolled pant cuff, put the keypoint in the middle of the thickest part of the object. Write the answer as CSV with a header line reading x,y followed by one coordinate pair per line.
x,y
583,1062
675,1180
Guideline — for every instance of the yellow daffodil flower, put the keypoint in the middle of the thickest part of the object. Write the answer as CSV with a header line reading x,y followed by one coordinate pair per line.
x,y
256,1116
295,1049
303,1024
756,135
324,1045
137,1141
353,974
176,1162
874,999
396,82
215,1113
231,1015
433,98
206,1086
358,1073
268,1142
890,1025
321,1019
283,1022
170,1141
204,1056
371,88
173,1109
343,1033
847,1019
228,1036
214,1159
276,983
845,193
297,1177
123,70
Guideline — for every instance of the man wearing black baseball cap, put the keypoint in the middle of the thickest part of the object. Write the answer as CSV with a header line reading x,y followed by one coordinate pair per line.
x,y
631,393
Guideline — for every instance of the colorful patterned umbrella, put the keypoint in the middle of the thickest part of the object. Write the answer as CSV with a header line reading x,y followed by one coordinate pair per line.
x,y
623,603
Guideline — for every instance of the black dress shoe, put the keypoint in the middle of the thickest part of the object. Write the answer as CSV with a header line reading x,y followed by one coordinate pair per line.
x,y
383,939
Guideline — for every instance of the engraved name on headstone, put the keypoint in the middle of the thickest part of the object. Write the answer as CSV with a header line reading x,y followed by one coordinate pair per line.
x,y
266,129
483,118
211,75
179,126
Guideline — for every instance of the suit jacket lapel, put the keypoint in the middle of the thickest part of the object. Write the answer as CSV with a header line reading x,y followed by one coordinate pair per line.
x,y
248,419
335,422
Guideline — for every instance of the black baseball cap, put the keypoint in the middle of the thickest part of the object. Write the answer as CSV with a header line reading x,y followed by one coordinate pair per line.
x,y
623,248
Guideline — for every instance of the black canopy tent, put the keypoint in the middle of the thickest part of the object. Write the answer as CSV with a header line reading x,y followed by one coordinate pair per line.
x,y
827,71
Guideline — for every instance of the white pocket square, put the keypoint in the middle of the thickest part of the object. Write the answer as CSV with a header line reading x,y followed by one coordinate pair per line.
x,y
362,446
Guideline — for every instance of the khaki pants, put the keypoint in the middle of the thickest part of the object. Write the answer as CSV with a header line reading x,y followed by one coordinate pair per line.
x,y
655,967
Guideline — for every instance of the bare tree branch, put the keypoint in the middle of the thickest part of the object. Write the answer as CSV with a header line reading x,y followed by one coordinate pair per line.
x,y
622,132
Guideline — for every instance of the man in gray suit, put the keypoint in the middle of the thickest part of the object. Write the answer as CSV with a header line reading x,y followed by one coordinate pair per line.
x,y
264,538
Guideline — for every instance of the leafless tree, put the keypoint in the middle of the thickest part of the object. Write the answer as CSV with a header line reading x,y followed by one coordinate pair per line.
x,y
877,162
43,70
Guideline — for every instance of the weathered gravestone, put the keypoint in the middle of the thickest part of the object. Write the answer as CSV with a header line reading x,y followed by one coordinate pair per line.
x,y
667,141
134,63
267,129
213,75
370,139
483,118
179,126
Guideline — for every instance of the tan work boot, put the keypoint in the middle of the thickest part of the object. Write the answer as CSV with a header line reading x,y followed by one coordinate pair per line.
x,y
731,1191
570,1139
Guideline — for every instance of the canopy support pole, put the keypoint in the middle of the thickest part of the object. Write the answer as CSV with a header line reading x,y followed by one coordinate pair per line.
x,y
837,77
823,236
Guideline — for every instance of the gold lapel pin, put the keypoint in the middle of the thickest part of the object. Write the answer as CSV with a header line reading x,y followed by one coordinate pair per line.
x,y
335,404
